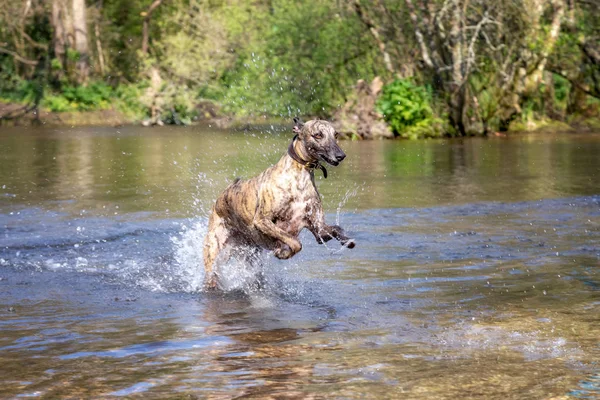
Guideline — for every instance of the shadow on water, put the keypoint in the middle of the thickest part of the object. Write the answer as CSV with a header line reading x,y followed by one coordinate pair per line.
x,y
475,275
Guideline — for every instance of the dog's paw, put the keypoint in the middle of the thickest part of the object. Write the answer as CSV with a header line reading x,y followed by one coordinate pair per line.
x,y
350,243
211,283
284,252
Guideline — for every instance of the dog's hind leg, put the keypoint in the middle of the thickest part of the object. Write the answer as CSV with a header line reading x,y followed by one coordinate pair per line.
x,y
215,240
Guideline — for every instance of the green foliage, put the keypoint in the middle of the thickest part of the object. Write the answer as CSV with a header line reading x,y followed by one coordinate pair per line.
x,y
98,96
285,58
177,105
95,96
72,55
19,91
562,88
198,54
57,104
128,100
55,64
121,32
309,57
406,108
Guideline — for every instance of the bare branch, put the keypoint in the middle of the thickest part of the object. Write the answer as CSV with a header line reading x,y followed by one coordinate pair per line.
x,y
420,39
18,57
489,42
593,54
437,19
375,32
33,42
470,51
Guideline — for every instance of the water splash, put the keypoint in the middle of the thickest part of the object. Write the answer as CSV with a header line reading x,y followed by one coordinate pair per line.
x,y
350,193
188,255
247,270
238,273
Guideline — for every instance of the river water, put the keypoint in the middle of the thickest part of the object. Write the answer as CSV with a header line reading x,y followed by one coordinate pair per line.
x,y
476,272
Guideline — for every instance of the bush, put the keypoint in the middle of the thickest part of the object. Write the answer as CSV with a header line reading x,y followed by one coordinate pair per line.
x,y
95,96
406,109
57,103
128,100
19,90
178,105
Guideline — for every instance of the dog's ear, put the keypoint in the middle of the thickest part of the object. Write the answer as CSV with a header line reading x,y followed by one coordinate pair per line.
x,y
298,124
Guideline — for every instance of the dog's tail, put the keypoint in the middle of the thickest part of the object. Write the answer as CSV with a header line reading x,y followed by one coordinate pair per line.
x,y
236,180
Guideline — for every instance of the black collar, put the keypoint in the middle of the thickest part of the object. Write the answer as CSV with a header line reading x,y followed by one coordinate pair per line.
x,y
306,164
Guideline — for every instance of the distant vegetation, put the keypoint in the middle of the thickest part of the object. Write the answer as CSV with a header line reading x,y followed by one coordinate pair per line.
x,y
451,67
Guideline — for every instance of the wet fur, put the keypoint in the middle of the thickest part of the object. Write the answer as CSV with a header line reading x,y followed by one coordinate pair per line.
x,y
269,210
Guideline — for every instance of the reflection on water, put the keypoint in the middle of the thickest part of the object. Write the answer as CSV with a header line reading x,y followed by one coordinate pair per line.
x,y
476,272
180,170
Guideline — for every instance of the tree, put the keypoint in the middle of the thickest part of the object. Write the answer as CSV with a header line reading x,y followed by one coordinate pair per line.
x,y
61,24
482,63
146,25
473,52
81,40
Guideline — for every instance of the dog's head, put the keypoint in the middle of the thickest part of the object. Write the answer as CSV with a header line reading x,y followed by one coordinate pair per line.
x,y
320,140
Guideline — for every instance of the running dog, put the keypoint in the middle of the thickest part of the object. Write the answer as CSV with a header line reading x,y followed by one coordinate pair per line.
x,y
269,210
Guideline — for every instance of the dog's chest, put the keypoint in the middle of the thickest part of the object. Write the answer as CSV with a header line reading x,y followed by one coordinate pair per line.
x,y
297,204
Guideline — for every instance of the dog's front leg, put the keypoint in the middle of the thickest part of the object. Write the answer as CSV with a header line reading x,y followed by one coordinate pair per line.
x,y
324,233
291,245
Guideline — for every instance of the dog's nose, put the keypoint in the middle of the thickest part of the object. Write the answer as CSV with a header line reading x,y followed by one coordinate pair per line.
x,y
340,157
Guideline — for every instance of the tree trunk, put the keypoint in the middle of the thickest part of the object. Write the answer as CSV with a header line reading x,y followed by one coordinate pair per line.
x,y
146,25
81,40
99,48
533,80
458,106
59,34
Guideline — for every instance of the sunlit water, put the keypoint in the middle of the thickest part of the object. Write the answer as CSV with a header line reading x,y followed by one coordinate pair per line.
x,y
476,273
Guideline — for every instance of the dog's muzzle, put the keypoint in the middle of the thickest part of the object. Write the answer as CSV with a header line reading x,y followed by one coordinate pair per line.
x,y
335,159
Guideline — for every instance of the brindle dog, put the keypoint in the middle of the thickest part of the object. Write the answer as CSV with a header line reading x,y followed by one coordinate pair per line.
x,y
269,210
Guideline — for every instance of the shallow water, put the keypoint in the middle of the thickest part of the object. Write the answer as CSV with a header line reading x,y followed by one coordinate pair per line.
x,y
476,273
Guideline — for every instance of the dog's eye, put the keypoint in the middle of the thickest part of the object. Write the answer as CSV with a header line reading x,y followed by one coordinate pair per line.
x,y
318,135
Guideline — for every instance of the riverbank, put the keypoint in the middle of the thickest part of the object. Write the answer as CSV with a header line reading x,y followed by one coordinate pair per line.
x,y
12,114
15,114
207,113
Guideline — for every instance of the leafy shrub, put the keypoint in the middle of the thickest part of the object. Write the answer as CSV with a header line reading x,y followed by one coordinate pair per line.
x,y
128,100
57,103
178,105
95,96
72,54
19,90
405,107
562,88
55,64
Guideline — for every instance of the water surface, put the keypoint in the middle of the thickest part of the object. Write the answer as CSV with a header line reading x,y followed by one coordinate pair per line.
x,y
476,273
